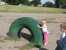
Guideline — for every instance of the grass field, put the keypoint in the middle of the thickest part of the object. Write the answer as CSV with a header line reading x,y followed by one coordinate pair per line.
x,y
26,9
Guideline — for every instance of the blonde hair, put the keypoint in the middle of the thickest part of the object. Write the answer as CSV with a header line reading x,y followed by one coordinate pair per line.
x,y
41,22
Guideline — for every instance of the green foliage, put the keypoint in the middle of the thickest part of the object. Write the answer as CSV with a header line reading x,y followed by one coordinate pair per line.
x,y
25,2
16,2
62,1
36,2
57,3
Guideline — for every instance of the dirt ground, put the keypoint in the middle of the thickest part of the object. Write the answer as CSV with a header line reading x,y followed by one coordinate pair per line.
x,y
54,20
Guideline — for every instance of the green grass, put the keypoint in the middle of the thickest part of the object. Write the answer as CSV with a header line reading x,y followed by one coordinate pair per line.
x,y
26,9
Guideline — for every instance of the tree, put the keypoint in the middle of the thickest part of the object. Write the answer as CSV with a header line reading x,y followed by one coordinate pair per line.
x,y
60,3
57,3
12,2
15,2
36,2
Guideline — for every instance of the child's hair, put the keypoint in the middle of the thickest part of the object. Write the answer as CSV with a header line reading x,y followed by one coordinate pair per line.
x,y
41,22
63,26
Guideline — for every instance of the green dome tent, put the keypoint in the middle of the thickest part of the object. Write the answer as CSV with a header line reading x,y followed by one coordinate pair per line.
x,y
30,24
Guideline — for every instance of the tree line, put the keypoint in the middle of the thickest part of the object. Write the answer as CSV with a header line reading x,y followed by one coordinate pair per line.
x,y
58,3
24,2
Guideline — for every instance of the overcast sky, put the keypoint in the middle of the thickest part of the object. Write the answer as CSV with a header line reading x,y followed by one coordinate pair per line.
x,y
44,1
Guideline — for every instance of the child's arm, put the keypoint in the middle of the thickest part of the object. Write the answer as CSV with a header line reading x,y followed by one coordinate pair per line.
x,y
39,26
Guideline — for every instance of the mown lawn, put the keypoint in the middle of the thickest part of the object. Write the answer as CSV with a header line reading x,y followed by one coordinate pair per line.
x,y
26,9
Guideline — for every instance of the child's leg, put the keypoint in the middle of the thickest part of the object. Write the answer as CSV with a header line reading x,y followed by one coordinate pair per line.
x,y
45,38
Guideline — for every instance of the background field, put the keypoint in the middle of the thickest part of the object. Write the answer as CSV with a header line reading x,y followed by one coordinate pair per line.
x,y
30,9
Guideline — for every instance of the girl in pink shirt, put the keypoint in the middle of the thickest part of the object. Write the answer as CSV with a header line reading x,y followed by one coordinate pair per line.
x,y
44,29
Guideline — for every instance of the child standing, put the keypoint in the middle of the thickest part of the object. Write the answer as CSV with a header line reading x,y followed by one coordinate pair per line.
x,y
60,42
63,31
44,29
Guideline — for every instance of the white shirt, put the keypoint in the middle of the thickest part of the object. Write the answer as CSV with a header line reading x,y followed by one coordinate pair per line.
x,y
63,35
44,28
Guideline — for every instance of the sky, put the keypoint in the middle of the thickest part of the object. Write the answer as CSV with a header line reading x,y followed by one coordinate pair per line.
x,y
44,1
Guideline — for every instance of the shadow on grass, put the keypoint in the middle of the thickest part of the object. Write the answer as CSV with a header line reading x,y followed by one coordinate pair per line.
x,y
43,49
